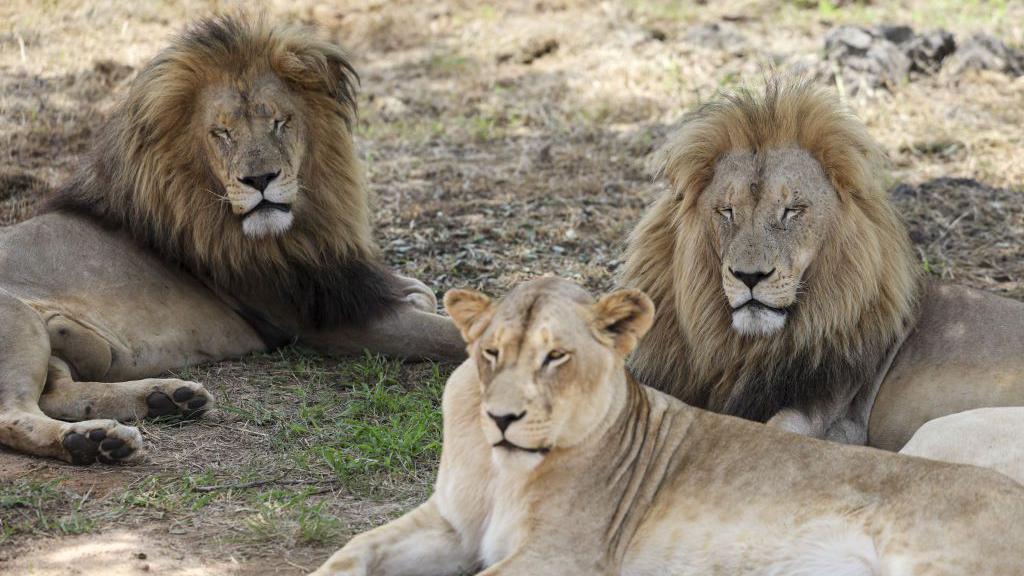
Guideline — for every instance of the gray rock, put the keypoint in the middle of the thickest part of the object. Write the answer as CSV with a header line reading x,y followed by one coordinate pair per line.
x,y
716,35
986,52
927,51
866,57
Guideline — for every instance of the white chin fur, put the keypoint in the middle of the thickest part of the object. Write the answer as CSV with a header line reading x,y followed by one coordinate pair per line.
x,y
757,321
267,222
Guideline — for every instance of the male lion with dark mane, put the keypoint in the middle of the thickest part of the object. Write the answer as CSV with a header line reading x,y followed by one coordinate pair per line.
x,y
222,213
787,287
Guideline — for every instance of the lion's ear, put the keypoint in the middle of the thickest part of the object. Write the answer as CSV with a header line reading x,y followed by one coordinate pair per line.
x,y
468,309
323,67
624,316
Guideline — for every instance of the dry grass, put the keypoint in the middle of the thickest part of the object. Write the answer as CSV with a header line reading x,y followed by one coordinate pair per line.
x,y
501,143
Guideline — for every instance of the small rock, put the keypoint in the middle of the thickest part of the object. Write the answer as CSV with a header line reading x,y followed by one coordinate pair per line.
x,y
716,35
866,57
986,52
537,48
927,51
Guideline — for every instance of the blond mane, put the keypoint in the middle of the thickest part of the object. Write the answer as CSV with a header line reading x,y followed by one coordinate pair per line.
x,y
150,177
858,296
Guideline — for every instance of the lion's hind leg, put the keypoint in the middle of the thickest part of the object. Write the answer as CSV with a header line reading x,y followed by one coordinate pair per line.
x,y
24,355
67,399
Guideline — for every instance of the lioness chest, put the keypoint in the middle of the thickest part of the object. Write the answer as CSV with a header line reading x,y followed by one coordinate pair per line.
x,y
505,528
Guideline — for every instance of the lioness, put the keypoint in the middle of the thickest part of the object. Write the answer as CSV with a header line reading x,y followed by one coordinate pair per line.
x,y
557,462
222,213
787,287
988,437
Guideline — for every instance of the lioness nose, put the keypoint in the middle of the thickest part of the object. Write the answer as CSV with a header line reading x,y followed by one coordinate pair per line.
x,y
259,182
751,279
503,421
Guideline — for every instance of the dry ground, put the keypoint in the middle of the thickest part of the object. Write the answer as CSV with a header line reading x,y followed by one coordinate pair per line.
x,y
502,142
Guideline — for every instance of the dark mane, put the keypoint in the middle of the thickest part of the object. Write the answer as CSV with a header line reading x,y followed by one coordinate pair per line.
x,y
146,175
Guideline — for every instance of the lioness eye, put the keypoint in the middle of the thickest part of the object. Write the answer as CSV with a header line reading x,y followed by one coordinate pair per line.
x,y
553,356
491,354
726,213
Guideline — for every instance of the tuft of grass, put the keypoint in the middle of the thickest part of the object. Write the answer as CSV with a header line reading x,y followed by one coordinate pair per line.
x,y
386,429
27,507
280,515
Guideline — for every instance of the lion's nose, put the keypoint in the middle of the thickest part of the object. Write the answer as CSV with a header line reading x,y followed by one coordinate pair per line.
x,y
259,182
503,421
751,279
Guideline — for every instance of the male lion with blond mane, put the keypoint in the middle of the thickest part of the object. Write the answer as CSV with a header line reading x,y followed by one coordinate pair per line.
x,y
787,287
222,213
556,461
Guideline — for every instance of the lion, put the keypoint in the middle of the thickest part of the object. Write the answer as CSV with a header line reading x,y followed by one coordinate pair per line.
x,y
556,461
788,288
222,212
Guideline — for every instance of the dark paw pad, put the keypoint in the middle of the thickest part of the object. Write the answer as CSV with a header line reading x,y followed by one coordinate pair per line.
x,y
160,404
95,445
183,394
83,451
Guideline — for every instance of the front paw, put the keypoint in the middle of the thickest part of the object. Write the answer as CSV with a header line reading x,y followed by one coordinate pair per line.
x,y
173,397
417,293
105,441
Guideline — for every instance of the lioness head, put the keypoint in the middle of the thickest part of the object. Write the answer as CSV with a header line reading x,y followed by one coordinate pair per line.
x,y
256,138
546,355
770,212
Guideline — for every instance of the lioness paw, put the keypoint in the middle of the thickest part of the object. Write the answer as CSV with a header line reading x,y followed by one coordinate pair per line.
x,y
178,398
105,441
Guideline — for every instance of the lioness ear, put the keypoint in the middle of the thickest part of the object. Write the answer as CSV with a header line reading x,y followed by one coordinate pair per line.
x,y
467,308
624,316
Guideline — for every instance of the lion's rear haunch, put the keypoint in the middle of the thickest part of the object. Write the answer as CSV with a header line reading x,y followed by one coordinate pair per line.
x,y
230,98
848,305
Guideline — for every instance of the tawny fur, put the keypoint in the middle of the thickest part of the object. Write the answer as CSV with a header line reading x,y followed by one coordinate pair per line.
x,y
148,169
143,264
633,482
859,295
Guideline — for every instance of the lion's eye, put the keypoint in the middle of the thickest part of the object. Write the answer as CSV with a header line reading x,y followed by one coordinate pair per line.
x,y
726,213
221,133
792,212
554,357
280,123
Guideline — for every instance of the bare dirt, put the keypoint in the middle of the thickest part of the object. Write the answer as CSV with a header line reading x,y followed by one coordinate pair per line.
x,y
500,143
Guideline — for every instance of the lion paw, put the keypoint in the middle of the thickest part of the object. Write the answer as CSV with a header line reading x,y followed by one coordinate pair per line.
x,y
178,398
104,440
418,294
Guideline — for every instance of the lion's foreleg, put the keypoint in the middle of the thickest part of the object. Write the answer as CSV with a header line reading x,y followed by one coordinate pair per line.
x,y
421,542
66,399
406,332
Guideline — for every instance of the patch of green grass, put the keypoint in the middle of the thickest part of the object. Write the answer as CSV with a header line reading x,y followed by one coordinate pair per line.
x,y
386,428
42,507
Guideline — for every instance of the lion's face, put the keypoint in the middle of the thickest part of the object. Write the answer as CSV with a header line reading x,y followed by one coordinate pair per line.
x,y
546,355
769,214
254,137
